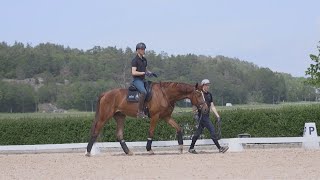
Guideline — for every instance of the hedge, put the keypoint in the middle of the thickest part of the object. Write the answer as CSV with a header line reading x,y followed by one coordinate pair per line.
x,y
279,122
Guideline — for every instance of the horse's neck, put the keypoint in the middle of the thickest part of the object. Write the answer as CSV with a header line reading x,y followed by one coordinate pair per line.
x,y
178,91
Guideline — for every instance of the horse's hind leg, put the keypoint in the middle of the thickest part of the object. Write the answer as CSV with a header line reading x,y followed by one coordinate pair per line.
x,y
120,119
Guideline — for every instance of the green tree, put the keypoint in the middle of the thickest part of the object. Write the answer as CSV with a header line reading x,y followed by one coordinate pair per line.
x,y
48,93
73,78
314,69
17,98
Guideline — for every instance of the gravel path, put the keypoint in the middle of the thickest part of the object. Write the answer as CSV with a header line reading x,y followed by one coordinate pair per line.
x,y
273,163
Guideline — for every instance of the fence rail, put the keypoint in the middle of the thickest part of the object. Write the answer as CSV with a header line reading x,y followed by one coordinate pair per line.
x,y
235,144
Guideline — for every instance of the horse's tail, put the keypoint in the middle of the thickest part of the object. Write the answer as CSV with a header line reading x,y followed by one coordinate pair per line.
x,y
98,108
96,118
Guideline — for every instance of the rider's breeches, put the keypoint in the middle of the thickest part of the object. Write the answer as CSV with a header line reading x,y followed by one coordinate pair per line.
x,y
139,84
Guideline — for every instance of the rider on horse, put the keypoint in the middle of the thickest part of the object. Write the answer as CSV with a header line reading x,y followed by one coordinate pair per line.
x,y
139,71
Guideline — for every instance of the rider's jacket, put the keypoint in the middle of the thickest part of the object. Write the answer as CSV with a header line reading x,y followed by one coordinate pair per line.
x,y
140,64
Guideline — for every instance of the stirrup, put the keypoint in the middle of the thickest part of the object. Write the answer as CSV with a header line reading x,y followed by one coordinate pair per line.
x,y
141,115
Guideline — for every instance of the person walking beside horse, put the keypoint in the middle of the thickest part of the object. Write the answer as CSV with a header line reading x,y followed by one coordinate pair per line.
x,y
204,120
139,71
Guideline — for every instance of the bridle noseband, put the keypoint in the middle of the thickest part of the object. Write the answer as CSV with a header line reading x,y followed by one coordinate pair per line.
x,y
201,105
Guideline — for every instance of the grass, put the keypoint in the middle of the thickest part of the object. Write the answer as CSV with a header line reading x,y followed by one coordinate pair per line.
x,y
251,106
266,106
176,110
45,115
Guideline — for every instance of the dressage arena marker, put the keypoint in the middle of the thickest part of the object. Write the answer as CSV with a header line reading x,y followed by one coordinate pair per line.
x,y
310,134
235,145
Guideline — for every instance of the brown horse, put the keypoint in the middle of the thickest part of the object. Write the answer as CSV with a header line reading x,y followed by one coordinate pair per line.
x,y
164,95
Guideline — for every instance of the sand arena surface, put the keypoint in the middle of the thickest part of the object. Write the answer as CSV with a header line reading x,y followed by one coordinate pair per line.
x,y
282,163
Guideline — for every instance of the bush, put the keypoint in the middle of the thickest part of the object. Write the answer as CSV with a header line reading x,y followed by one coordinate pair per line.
x,y
281,122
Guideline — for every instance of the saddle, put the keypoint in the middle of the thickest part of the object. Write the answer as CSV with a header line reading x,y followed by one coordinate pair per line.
x,y
133,93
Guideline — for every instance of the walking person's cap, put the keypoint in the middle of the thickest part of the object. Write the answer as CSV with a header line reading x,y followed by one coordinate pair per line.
x,y
205,81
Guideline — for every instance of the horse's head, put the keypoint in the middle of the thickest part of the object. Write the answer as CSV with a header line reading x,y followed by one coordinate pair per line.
x,y
198,100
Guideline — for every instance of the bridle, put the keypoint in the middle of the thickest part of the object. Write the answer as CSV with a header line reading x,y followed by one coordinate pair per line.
x,y
201,105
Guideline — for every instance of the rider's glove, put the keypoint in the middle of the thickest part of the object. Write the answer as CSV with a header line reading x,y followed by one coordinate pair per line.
x,y
218,119
148,74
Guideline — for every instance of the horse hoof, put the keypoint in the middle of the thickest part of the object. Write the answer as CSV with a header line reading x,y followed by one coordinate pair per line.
x,y
151,152
181,149
130,153
87,154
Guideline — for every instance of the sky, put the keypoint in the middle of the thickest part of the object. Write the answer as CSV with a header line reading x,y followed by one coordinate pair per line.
x,y
275,34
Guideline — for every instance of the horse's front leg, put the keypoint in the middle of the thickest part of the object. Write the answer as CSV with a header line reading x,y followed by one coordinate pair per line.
x,y
120,119
153,123
174,124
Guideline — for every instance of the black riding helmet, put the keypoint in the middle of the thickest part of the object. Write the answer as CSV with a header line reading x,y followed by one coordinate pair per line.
x,y
141,46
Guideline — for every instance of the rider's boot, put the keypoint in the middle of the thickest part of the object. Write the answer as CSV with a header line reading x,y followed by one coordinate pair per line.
x,y
140,113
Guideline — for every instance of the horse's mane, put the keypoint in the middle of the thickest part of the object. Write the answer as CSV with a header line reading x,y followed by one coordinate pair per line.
x,y
181,87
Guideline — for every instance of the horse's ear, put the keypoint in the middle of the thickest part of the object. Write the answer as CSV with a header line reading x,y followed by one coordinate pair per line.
x,y
197,86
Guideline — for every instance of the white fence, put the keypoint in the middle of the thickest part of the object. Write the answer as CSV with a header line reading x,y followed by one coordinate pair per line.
x,y
235,144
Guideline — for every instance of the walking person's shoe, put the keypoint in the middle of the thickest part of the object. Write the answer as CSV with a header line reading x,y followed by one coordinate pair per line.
x,y
223,149
193,151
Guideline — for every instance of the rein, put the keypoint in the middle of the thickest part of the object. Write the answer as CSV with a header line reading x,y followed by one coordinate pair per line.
x,y
200,106
166,97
